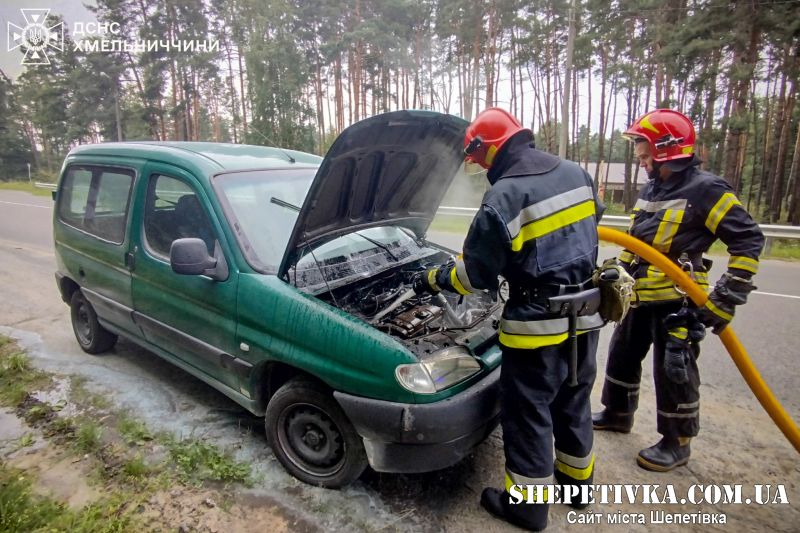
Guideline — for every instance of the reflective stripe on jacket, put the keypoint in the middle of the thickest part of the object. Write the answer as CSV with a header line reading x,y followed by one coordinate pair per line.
x,y
537,225
687,212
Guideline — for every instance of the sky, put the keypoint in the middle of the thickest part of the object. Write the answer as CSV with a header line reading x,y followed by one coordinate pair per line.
x,y
72,10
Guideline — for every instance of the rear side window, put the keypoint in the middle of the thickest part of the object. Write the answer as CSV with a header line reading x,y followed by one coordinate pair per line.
x,y
173,211
96,200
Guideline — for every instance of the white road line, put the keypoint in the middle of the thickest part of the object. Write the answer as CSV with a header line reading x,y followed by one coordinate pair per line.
x,y
28,205
779,295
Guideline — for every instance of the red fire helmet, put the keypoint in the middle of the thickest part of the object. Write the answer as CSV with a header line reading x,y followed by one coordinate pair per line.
x,y
488,133
670,134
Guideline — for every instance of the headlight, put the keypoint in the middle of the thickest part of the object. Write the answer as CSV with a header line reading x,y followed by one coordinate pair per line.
x,y
441,370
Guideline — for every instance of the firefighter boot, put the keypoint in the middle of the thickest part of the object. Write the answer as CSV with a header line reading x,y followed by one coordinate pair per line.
x,y
668,453
566,482
608,420
531,516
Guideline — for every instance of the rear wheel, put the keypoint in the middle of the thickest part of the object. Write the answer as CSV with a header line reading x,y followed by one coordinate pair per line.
x,y
312,437
92,337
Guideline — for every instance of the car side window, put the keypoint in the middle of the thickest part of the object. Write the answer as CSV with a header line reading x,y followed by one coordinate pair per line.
x,y
96,200
173,211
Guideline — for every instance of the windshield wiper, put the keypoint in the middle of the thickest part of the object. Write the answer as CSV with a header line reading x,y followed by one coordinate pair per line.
x,y
282,203
379,245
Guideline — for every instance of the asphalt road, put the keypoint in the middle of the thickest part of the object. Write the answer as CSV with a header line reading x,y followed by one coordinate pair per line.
x,y
738,442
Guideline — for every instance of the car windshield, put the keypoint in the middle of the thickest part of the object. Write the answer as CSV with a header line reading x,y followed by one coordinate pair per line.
x,y
358,255
263,207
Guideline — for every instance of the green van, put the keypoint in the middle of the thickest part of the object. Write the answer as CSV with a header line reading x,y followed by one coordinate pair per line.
x,y
281,279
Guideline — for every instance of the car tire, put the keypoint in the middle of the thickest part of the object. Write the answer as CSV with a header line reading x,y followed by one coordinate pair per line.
x,y
92,337
312,437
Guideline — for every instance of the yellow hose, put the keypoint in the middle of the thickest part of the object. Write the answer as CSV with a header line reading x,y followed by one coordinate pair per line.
x,y
728,337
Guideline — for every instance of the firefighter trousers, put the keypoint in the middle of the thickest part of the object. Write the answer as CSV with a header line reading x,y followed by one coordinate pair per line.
x,y
539,405
677,405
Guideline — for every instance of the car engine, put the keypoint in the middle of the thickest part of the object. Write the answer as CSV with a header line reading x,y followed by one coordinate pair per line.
x,y
424,323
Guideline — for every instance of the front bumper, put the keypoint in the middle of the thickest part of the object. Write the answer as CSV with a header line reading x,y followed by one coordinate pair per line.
x,y
414,438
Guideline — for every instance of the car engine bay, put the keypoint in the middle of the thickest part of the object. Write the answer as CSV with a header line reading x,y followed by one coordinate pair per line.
x,y
424,323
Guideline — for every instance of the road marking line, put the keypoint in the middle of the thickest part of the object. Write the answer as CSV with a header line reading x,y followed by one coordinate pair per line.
x,y
780,295
28,205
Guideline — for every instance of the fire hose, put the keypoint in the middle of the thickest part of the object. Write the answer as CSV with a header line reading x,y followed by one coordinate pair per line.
x,y
737,352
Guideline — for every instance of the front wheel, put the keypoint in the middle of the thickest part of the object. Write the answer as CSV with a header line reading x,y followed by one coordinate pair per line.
x,y
312,437
92,337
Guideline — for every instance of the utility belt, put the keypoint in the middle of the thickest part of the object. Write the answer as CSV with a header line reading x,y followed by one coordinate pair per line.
x,y
686,260
541,293
570,301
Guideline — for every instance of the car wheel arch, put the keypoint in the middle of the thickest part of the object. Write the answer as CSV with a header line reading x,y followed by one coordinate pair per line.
x,y
272,376
67,287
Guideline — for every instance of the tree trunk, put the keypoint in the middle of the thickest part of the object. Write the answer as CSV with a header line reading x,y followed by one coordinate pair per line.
x,y
744,61
601,134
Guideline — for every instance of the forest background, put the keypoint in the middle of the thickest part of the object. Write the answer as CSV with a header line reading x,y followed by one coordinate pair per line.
x,y
295,73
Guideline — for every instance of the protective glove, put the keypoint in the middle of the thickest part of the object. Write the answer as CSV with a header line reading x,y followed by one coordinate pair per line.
x,y
729,292
425,282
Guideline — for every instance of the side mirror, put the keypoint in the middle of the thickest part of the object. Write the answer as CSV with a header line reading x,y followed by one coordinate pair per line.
x,y
190,257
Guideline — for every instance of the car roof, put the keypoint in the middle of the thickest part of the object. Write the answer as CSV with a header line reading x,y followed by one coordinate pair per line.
x,y
208,158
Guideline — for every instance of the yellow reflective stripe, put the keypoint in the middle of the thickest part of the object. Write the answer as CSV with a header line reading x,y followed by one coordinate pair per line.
x,y
717,311
743,263
679,333
531,342
461,274
523,488
658,295
551,223
490,153
626,256
645,123
575,473
432,273
653,283
720,209
667,229
457,284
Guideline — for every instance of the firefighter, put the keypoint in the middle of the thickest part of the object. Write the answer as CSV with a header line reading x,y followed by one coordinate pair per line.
x,y
681,211
537,227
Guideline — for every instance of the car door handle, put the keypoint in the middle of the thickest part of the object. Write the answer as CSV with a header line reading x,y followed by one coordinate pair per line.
x,y
130,259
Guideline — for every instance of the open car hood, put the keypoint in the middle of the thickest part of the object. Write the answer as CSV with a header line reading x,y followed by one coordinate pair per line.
x,y
390,169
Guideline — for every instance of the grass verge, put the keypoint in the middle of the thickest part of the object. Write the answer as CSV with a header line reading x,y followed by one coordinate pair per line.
x,y
121,449
24,186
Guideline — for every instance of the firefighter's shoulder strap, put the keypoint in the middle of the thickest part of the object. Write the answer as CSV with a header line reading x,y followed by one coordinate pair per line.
x,y
616,290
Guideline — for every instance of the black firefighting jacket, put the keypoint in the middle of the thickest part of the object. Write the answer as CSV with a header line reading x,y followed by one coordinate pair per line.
x,y
685,214
537,227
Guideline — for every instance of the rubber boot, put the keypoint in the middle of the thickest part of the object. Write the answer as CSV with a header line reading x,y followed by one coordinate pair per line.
x,y
608,420
530,516
563,479
667,454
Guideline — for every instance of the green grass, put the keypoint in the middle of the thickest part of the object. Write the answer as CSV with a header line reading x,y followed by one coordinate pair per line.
x,y
88,437
17,377
25,187
199,461
451,224
133,431
21,510
135,468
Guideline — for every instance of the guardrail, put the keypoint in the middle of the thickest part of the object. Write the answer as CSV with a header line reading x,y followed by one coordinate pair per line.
x,y
770,231
43,185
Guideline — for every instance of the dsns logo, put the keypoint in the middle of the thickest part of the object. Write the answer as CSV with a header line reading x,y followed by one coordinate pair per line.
x,y
36,37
